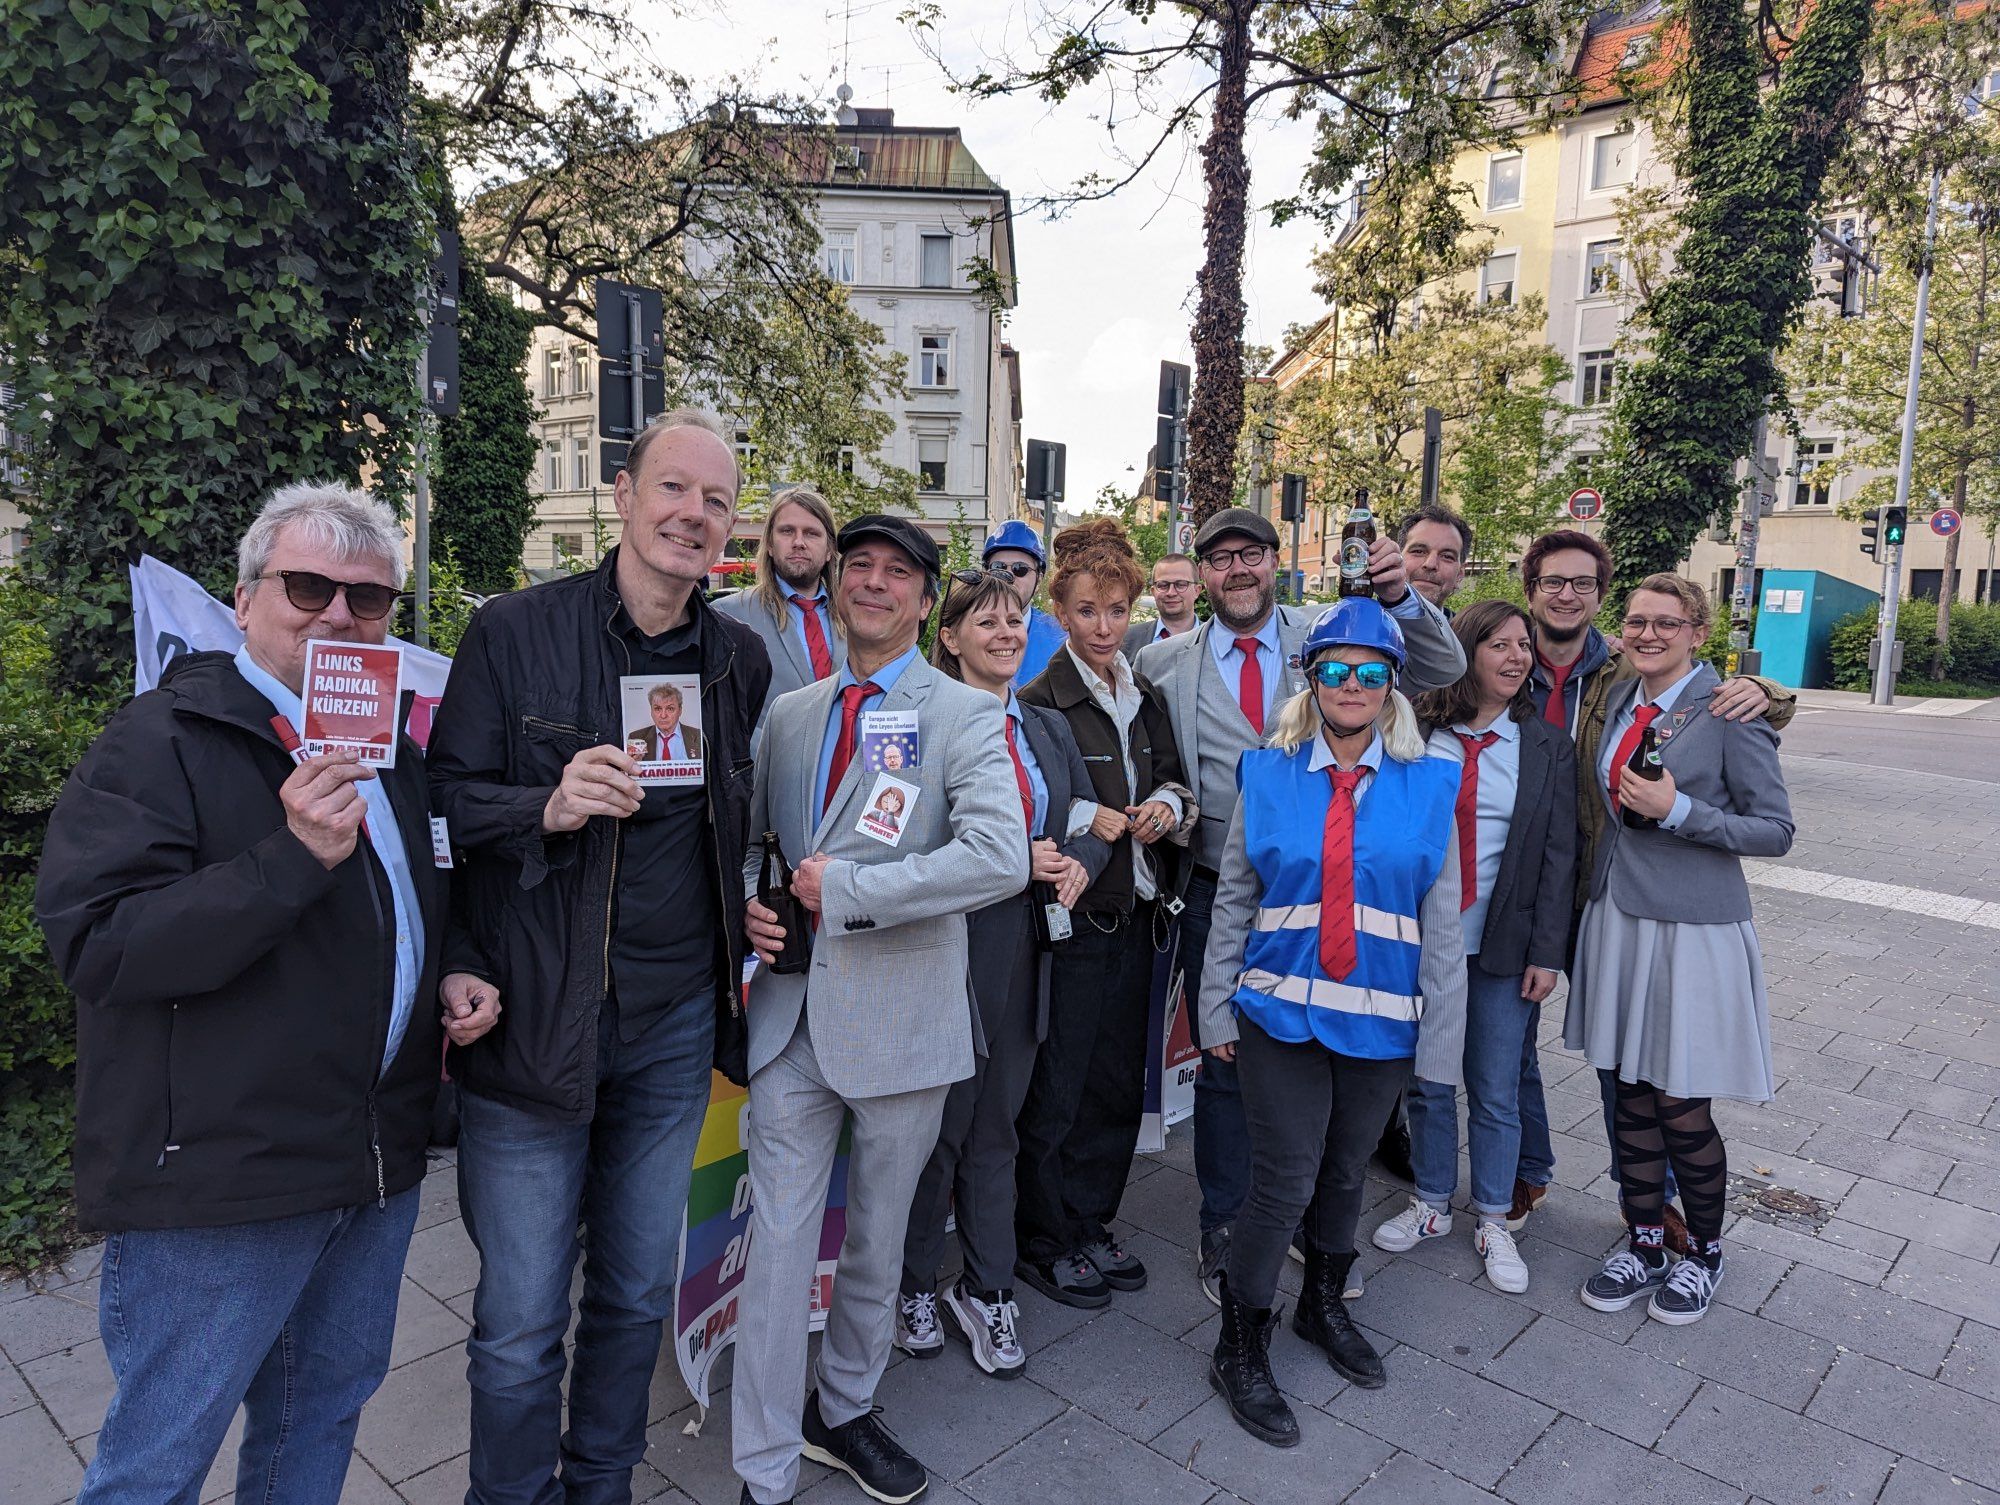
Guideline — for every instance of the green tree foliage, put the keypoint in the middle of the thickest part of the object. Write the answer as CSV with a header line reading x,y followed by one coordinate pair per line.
x,y
1752,152
212,221
481,506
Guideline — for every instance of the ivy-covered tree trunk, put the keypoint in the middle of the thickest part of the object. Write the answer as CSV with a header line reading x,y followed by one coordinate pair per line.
x,y
1215,416
482,508
212,233
1753,164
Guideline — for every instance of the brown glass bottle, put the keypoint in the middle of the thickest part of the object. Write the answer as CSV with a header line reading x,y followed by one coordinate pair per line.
x,y
774,892
1643,764
1355,540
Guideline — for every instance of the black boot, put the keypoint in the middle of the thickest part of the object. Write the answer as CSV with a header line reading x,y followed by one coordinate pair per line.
x,y
1321,1319
1240,1371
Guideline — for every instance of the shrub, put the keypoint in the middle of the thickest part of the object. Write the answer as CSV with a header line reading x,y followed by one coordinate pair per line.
x,y
1971,660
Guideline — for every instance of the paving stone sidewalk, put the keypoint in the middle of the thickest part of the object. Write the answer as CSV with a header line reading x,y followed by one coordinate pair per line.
x,y
1854,1357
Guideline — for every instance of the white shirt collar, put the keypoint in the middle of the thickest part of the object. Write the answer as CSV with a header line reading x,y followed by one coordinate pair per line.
x,y
1322,755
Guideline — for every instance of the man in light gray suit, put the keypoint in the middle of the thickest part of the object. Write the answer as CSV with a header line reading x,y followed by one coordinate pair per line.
x,y
791,605
880,1025
1223,682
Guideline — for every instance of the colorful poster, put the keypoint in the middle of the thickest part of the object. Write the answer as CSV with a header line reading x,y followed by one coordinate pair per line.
x,y
663,726
715,1237
351,694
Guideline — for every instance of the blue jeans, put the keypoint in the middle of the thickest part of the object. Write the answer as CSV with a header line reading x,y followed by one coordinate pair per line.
x,y
291,1319
1497,1018
1538,1152
524,1183
1221,1133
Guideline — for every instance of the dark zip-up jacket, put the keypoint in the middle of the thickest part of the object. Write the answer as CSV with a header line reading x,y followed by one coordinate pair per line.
x,y
233,995
534,682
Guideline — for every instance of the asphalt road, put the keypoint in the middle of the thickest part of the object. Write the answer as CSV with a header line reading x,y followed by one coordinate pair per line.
x,y
1965,746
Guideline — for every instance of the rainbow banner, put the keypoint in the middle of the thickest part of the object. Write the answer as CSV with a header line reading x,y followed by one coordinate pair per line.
x,y
715,1236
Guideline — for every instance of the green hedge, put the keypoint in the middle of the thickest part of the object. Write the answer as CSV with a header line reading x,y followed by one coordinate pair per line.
x,y
1972,656
43,732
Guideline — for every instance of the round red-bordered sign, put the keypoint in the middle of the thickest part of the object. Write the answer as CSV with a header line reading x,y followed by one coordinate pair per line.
x,y
1586,504
1946,521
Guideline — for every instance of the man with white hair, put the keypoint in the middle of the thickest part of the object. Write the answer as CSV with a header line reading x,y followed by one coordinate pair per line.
x,y
255,952
613,912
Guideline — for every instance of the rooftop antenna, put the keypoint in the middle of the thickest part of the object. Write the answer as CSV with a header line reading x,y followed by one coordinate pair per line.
x,y
844,112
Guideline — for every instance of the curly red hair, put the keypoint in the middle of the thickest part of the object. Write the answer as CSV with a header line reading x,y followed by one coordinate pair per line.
x,y
1098,550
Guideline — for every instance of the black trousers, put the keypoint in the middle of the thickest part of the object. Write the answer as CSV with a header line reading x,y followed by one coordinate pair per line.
x,y
1314,1118
1080,1124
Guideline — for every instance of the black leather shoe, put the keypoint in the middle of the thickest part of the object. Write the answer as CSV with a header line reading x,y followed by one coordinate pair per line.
x,y
1321,1319
1240,1371
1392,1151
865,1452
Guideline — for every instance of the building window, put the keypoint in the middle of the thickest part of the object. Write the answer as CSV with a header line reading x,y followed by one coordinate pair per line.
x,y
567,545
1845,227
837,255
934,360
935,270
1638,50
1813,488
1503,181
579,370
1611,160
552,364
1496,278
846,458
1603,268
1595,372
745,447
552,464
931,454
1585,463
579,464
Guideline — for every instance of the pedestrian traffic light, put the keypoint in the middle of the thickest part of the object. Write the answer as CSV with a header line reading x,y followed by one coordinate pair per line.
x,y
1870,530
1895,522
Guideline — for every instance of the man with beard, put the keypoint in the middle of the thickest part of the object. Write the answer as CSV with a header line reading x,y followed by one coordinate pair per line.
x,y
790,606
1221,683
1436,543
1567,575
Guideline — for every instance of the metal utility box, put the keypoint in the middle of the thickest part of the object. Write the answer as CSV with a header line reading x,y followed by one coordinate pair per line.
x,y
1795,619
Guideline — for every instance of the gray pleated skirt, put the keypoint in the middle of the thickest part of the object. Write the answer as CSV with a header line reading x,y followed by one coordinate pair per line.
x,y
1680,1006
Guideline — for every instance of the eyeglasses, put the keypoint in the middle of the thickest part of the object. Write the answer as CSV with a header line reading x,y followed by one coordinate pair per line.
x,y
1017,569
1172,585
1666,627
1249,556
313,592
981,575
1579,585
1333,674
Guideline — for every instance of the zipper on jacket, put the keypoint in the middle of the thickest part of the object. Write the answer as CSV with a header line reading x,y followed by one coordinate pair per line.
x,y
617,837
721,896
167,1145
375,1145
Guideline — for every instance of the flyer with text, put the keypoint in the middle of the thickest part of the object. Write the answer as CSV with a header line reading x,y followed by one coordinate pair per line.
x,y
352,691
663,726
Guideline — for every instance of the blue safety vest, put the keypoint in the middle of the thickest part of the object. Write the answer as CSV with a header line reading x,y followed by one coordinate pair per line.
x,y
1401,830
1045,636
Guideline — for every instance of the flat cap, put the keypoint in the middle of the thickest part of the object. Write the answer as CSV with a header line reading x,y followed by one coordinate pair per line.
x,y
1236,520
905,533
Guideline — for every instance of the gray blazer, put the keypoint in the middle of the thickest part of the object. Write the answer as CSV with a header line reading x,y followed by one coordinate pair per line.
x,y
791,669
1729,771
890,1007
1434,659
1139,635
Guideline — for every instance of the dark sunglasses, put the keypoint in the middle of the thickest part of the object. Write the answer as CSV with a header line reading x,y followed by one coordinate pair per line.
x,y
978,576
1333,674
1017,570
312,592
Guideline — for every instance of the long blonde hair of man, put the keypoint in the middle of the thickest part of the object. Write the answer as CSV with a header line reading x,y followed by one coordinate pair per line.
x,y
771,589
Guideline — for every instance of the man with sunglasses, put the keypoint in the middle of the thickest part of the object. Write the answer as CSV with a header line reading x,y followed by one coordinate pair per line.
x,y
1223,682
1567,577
1014,548
614,914
1175,591
254,948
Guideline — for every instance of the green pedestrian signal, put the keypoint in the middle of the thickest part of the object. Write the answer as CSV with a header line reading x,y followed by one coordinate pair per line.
x,y
1895,522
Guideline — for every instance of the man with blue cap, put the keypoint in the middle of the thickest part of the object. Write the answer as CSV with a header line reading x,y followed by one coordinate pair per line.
x,y
1015,548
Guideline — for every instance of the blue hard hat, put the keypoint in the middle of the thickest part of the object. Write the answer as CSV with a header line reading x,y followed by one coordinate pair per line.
x,y
1355,622
1015,534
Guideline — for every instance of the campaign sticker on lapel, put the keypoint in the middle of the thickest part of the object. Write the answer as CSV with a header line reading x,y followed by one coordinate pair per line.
x,y
889,741
662,713
887,812
440,842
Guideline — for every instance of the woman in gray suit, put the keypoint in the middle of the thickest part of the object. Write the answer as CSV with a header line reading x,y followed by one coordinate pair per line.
x,y
981,636
1667,992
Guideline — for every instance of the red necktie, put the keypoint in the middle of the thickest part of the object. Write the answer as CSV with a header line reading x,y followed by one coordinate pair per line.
x,y
822,657
1021,779
1640,721
1336,877
1556,712
1250,686
1467,812
843,745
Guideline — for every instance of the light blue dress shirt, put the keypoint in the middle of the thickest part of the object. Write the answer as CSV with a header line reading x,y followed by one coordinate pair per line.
x,y
386,838
1037,785
1615,733
1322,759
1229,659
798,619
884,679
1493,819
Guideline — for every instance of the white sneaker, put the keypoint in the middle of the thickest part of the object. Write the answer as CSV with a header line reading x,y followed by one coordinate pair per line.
x,y
1504,1265
1412,1226
917,1331
991,1330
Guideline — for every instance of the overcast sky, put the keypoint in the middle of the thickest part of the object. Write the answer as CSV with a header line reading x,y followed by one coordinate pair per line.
x,y
1106,292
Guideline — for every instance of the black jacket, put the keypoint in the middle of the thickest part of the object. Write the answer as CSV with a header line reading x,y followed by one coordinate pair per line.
x,y
1528,920
233,995
1155,761
534,682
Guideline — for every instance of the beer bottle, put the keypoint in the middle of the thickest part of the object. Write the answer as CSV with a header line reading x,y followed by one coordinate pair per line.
x,y
1052,921
1355,539
1643,764
774,892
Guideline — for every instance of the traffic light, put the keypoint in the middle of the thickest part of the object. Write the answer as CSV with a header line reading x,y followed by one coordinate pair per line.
x,y
1895,522
1292,499
1890,524
1870,530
